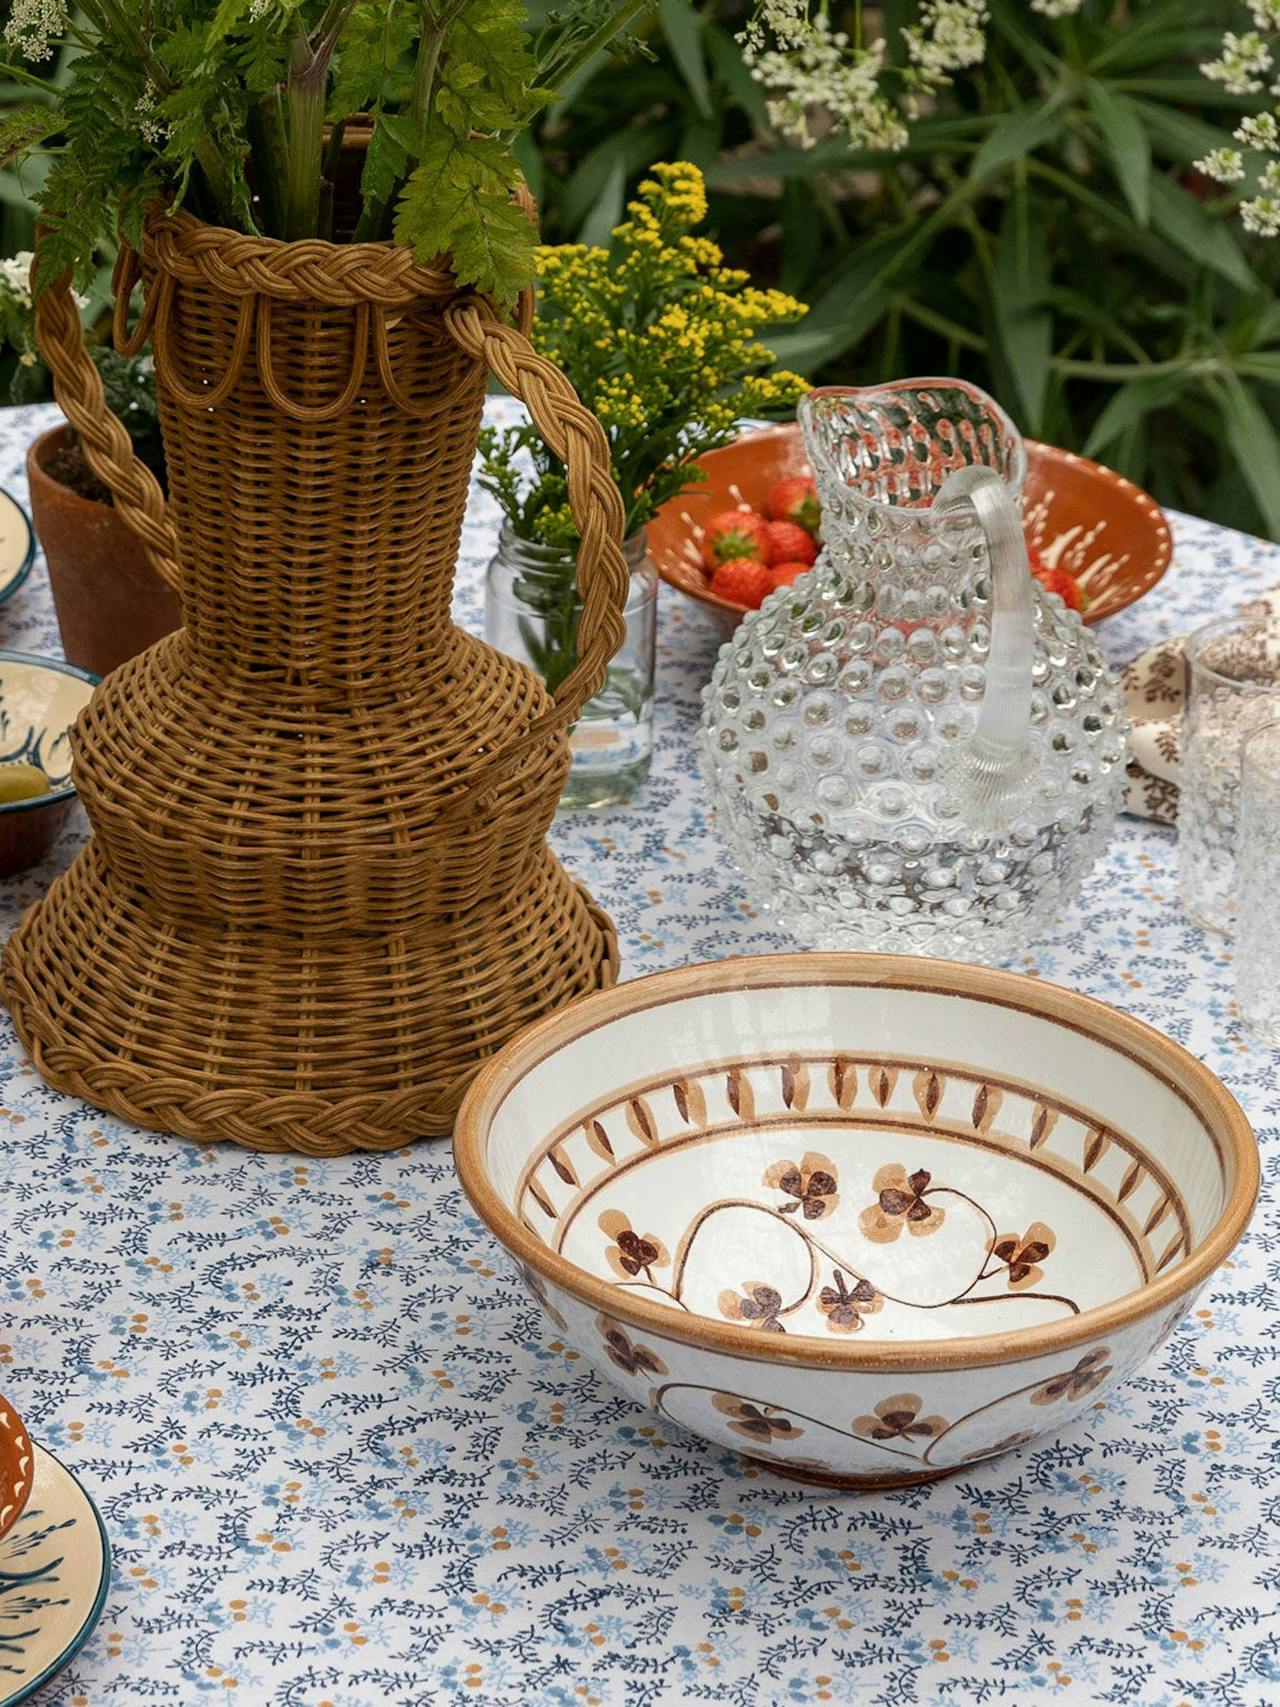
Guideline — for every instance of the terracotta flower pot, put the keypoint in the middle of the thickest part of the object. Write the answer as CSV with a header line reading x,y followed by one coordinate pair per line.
x,y
111,603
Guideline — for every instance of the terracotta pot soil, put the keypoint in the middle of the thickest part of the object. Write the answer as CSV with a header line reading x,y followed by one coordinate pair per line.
x,y
68,465
111,604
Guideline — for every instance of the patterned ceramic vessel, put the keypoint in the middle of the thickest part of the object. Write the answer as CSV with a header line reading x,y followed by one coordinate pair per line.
x,y
868,1218
55,1568
17,545
16,1458
40,698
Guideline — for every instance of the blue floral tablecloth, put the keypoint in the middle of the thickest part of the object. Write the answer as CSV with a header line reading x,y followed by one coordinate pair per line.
x,y
344,1461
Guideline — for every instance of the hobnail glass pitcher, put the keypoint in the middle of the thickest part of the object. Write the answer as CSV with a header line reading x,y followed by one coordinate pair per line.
x,y
915,747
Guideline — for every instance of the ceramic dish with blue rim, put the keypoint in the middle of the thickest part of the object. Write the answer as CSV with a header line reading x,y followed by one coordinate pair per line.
x,y
40,698
55,1565
17,545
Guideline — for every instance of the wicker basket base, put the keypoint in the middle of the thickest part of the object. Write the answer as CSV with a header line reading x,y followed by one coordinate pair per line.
x,y
195,1047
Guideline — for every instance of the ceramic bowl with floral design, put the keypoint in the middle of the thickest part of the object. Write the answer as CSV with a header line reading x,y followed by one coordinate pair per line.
x,y
867,1217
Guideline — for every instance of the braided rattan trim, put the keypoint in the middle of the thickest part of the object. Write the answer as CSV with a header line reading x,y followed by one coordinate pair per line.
x,y
578,439
107,446
337,275
257,1119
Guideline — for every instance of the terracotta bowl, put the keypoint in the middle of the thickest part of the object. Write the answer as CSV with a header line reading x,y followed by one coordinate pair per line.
x,y
17,1466
867,1218
1079,515
40,698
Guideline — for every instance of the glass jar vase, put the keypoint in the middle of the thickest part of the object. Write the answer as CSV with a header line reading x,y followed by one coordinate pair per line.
x,y
531,612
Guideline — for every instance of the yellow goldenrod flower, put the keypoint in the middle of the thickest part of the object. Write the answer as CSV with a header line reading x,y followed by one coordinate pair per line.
x,y
662,339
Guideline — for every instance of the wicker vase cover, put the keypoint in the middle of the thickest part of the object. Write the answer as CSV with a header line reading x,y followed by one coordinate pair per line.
x,y
318,892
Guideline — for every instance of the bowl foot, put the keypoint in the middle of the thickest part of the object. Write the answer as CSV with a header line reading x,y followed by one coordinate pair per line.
x,y
852,1484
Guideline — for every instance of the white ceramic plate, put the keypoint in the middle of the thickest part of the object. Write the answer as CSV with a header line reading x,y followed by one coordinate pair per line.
x,y
55,1565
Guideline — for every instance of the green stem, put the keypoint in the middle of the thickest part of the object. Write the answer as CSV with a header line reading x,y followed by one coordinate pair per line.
x,y
20,75
1200,366
424,71
333,150
327,33
373,220
560,74
939,323
215,175
266,132
304,111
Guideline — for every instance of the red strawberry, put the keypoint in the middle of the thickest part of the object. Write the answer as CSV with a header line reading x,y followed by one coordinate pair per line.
x,y
796,500
734,533
1065,585
788,542
743,581
783,574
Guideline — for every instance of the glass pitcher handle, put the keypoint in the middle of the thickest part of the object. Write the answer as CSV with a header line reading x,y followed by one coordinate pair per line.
x,y
1000,753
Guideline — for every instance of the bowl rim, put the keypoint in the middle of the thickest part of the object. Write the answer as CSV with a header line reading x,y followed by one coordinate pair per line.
x,y
63,668
1195,1083
15,580
1037,451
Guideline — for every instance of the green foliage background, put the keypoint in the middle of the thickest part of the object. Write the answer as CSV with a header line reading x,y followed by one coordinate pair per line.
x,y
1044,234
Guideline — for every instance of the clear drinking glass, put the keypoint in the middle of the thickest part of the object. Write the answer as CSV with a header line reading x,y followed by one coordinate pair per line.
x,y
1258,885
531,613
1232,688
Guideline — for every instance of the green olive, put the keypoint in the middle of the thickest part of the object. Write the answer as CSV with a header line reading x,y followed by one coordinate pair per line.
x,y
22,782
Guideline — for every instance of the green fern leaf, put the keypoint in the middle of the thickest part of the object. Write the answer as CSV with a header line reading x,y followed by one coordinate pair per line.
x,y
24,127
457,202
386,160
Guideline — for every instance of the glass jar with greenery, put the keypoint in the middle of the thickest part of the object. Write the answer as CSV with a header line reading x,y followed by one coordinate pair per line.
x,y
531,613
662,340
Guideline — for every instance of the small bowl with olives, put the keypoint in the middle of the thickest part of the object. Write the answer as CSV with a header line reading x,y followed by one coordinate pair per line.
x,y
40,698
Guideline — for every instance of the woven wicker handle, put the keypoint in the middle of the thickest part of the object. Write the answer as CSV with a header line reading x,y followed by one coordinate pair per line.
x,y
578,439
107,446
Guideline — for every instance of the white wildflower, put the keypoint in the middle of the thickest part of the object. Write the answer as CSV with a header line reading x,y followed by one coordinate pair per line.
x,y
1244,64
151,127
15,278
786,22
1259,131
814,70
949,37
1266,14
1056,8
1262,215
1224,165
34,25
28,358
